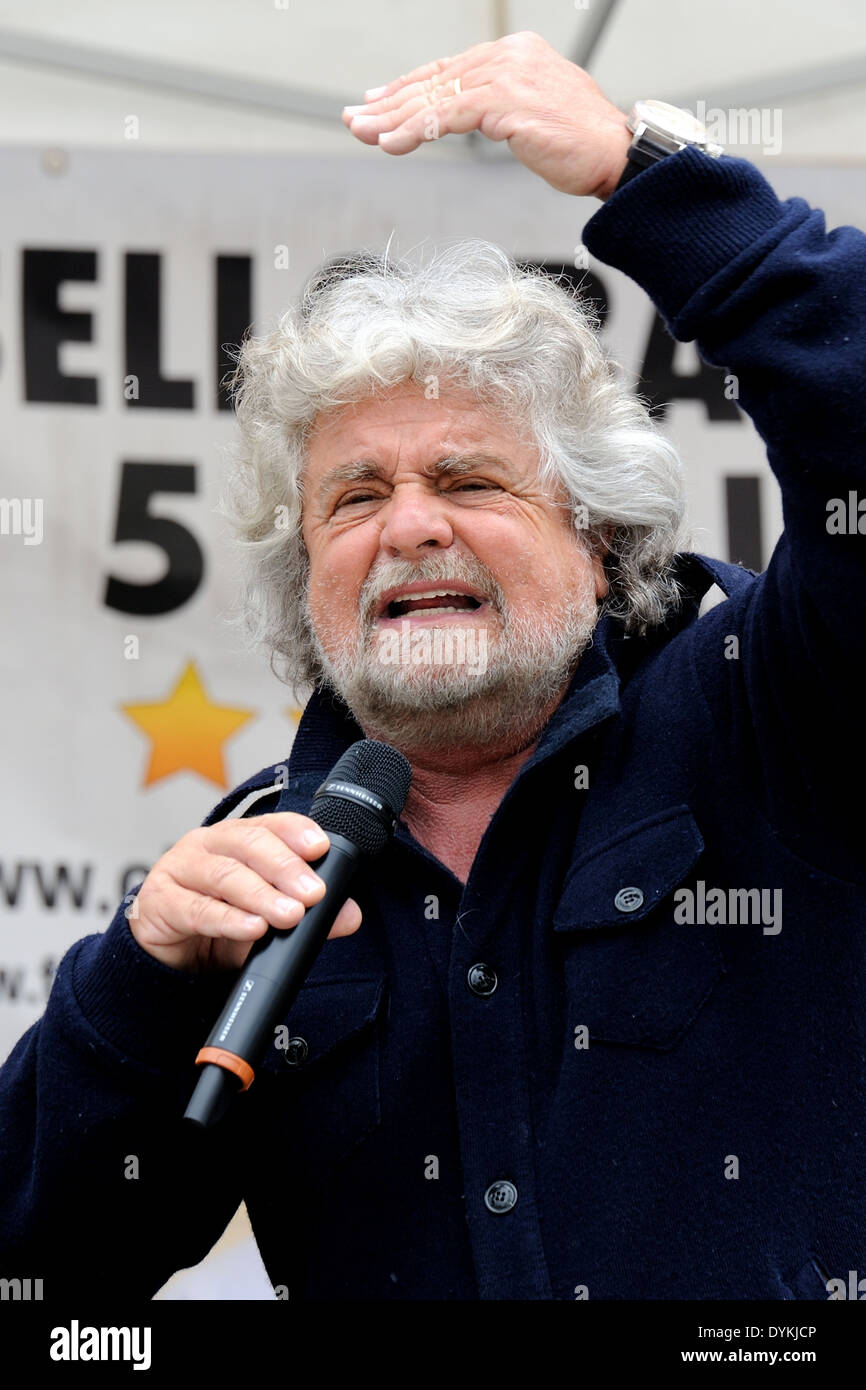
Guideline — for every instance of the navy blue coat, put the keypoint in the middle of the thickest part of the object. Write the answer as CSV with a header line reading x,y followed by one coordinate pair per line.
x,y
623,1103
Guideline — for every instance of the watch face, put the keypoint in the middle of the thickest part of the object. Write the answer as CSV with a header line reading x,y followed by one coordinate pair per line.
x,y
673,120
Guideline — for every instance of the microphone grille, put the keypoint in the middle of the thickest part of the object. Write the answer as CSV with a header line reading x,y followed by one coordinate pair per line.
x,y
371,767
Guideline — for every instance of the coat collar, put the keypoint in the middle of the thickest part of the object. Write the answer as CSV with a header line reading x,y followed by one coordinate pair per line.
x,y
327,726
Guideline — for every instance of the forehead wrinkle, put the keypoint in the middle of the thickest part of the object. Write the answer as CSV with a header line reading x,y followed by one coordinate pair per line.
x,y
358,471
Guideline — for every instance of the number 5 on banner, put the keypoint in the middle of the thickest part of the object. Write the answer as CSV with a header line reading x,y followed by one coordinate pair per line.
x,y
138,483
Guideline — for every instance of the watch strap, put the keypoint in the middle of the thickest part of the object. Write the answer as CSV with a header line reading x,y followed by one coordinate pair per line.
x,y
637,161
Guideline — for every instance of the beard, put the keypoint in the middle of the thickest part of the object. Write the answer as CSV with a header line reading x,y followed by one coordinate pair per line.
x,y
413,698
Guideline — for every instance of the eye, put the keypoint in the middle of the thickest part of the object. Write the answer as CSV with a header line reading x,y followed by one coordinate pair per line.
x,y
353,497
476,486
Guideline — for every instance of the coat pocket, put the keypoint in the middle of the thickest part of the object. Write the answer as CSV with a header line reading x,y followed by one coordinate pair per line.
x,y
320,1079
634,975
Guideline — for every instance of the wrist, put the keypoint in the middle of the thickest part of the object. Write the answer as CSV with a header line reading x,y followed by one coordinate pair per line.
x,y
618,143
660,130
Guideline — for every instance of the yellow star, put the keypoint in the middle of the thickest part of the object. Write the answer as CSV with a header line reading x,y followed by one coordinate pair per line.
x,y
187,731
294,713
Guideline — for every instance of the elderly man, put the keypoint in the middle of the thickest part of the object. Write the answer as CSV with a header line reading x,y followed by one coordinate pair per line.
x,y
593,1025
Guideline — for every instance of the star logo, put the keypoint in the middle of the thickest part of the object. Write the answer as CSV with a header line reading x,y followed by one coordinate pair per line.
x,y
187,731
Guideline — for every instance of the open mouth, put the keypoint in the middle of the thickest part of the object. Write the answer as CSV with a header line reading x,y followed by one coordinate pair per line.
x,y
430,603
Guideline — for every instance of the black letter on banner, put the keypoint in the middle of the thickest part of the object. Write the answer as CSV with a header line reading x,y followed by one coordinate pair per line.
x,y
135,522
660,384
743,507
46,326
142,333
233,315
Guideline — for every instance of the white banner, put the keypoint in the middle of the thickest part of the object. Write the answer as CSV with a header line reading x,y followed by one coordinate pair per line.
x,y
129,706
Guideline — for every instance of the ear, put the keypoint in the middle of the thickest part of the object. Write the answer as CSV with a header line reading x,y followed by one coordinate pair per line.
x,y
598,554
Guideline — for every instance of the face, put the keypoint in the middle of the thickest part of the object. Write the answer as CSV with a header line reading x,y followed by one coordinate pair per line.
x,y
449,594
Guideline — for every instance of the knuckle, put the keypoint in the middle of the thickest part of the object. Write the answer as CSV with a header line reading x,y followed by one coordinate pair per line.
x,y
154,891
253,835
200,913
288,863
223,871
523,39
152,880
154,909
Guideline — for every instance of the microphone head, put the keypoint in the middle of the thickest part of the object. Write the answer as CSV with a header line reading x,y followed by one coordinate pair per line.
x,y
363,795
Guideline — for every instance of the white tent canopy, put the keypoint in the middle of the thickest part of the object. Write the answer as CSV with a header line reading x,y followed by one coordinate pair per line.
x,y
272,75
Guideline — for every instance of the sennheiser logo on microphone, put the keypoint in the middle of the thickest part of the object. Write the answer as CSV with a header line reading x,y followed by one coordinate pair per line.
x,y
356,793
248,984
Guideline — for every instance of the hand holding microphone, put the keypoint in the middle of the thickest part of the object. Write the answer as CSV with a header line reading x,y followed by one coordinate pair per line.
x,y
358,805
223,896
210,897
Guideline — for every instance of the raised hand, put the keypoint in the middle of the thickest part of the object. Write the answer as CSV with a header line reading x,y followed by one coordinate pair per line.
x,y
556,119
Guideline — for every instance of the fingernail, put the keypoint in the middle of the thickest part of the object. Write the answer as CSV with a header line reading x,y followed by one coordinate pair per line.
x,y
364,122
315,837
286,905
351,110
309,883
372,93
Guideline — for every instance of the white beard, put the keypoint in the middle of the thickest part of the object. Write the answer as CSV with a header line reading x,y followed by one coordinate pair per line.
x,y
453,703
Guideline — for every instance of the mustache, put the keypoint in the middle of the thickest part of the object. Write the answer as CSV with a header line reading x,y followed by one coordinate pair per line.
x,y
439,569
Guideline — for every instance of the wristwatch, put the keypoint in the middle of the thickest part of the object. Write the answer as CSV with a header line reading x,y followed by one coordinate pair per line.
x,y
660,129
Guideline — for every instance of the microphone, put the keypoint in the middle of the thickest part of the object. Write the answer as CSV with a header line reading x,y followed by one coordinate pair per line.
x,y
358,806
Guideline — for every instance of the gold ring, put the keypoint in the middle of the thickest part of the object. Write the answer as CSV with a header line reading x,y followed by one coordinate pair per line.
x,y
434,92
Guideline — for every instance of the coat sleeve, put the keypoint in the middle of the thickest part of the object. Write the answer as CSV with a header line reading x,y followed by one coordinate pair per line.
x,y
104,1188
767,293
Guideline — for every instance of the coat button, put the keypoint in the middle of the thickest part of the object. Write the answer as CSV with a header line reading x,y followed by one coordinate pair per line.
x,y
297,1051
628,900
482,979
500,1197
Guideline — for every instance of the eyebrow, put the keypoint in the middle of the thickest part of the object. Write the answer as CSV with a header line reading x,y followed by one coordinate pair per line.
x,y
365,470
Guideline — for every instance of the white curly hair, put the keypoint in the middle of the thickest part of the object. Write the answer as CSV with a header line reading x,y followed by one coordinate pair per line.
x,y
525,344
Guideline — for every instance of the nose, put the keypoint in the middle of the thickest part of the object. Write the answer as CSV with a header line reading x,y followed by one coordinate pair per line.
x,y
414,519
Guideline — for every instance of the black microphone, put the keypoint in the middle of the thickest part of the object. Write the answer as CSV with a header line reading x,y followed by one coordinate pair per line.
x,y
358,806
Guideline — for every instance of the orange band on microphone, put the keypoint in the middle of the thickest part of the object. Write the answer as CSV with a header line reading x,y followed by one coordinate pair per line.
x,y
230,1062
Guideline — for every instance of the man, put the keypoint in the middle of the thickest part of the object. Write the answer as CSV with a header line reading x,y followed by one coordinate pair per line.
x,y
593,1025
